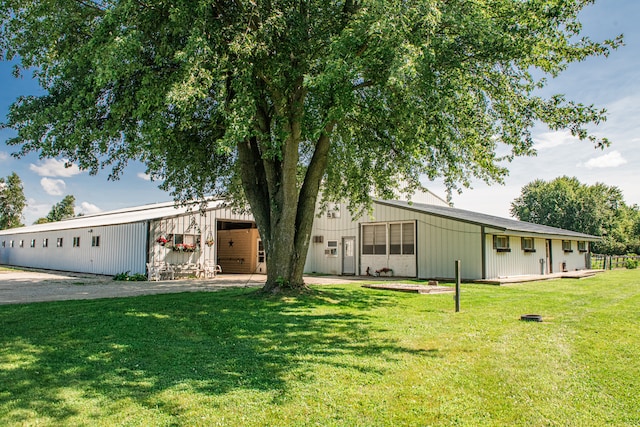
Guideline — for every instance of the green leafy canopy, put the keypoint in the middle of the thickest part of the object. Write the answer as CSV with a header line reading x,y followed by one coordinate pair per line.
x,y
274,101
423,87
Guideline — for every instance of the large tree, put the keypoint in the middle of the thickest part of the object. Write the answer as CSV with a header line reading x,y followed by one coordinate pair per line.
x,y
274,102
12,201
596,209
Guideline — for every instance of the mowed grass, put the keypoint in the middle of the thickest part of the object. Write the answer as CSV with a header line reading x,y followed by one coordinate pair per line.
x,y
340,355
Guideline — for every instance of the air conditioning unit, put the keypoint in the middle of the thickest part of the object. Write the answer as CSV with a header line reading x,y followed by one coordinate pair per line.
x,y
318,239
333,210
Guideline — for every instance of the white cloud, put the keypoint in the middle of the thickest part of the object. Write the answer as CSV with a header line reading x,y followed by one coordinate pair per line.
x,y
87,208
35,210
4,155
53,187
53,167
547,140
610,160
144,176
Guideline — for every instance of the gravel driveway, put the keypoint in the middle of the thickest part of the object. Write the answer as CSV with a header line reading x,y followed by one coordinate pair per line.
x,y
27,286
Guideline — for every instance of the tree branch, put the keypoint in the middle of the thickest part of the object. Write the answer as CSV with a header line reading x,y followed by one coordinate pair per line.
x,y
90,4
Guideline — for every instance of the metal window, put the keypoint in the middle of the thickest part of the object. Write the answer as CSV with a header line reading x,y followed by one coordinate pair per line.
x,y
374,239
401,239
528,244
501,243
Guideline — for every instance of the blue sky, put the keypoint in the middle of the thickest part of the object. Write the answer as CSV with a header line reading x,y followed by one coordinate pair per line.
x,y
612,83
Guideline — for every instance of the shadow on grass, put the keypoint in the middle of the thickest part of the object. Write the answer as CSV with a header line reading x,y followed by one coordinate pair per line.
x,y
212,343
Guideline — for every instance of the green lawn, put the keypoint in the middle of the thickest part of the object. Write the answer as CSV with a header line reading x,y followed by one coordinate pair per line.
x,y
342,355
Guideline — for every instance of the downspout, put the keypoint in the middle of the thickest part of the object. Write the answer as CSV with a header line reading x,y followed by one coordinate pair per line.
x,y
359,250
147,246
483,238
415,243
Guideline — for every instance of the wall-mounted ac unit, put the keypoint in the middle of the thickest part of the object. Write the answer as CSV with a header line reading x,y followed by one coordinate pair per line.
x,y
333,210
318,239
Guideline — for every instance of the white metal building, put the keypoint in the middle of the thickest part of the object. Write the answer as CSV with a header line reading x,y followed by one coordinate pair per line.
x,y
125,240
424,241
421,240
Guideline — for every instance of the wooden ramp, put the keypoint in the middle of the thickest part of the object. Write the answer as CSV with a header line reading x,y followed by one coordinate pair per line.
x,y
578,274
418,289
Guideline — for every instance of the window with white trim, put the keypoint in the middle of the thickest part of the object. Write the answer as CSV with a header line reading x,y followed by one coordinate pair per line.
x,y
76,242
59,242
374,239
95,241
583,246
566,246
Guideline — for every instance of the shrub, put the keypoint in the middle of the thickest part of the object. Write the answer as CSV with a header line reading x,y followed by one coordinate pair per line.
x,y
130,278
631,263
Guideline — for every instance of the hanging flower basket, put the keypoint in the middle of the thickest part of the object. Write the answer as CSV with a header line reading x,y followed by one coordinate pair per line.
x,y
209,242
161,240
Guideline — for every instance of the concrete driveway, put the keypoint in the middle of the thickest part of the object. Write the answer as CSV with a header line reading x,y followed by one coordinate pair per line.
x,y
27,286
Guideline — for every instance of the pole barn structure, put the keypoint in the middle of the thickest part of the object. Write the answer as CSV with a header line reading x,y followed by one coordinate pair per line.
x,y
397,238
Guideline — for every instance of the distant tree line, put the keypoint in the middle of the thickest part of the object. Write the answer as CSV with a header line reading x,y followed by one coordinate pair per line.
x,y
596,209
13,202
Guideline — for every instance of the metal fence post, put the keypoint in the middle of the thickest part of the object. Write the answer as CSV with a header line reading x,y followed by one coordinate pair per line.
x,y
457,296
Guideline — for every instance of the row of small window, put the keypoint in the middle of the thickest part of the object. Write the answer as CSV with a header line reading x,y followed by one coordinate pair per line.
x,y
501,244
95,242
401,238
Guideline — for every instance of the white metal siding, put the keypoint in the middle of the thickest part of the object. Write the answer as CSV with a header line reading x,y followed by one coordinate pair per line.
x,y
203,226
442,241
402,265
122,248
516,262
574,260
331,229
439,243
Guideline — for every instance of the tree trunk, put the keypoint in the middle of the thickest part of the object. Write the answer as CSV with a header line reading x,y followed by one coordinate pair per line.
x,y
283,208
